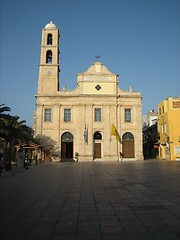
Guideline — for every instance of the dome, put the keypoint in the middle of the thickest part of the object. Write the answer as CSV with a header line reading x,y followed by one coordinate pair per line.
x,y
50,25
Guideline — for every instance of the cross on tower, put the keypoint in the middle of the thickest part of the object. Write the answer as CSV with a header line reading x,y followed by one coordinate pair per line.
x,y
97,56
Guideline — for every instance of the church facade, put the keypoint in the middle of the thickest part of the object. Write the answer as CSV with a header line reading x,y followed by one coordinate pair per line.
x,y
95,121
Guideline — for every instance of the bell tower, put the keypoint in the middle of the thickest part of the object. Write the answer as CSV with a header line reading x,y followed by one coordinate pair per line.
x,y
48,81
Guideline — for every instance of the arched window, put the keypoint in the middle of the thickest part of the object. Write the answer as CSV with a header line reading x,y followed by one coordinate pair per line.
x,y
97,136
49,39
49,56
67,136
128,136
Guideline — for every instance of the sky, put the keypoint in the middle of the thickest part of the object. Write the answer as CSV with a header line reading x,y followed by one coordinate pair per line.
x,y
137,39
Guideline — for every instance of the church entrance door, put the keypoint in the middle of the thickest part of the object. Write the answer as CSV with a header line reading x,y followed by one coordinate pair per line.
x,y
66,146
97,145
128,145
66,150
97,150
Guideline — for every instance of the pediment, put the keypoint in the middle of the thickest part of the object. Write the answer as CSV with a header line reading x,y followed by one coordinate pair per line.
x,y
97,68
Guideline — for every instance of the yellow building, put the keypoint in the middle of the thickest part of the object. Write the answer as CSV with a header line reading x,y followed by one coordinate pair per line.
x,y
169,128
95,121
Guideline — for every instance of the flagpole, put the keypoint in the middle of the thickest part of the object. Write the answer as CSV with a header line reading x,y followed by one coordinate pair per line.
x,y
117,96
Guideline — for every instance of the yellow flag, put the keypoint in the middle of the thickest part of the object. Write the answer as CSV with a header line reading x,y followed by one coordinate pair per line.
x,y
114,132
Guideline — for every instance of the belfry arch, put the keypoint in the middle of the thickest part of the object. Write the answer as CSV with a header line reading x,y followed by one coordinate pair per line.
x,y
49,39
49,57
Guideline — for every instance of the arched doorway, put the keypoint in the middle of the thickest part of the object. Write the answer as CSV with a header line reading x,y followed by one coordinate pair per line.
x,y
67,146
97,145
128,145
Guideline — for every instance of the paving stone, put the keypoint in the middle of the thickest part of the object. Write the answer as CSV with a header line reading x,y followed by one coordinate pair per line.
x,y
92,201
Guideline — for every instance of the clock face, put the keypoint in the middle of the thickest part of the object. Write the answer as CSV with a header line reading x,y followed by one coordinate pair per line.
x,y
48,72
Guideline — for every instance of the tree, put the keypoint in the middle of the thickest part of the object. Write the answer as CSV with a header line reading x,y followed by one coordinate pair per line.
x,y
3,115
3,109
13,132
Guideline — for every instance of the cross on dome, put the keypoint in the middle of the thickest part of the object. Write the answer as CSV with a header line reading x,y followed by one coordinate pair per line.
x,y
97,57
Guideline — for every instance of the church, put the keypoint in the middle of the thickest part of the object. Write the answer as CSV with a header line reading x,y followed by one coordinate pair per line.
x,y
97,121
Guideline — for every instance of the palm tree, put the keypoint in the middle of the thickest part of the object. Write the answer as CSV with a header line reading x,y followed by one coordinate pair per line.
x,y
4,115
16,131
13,132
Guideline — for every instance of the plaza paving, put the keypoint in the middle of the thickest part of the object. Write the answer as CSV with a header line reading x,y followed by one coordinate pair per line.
x,y
92,201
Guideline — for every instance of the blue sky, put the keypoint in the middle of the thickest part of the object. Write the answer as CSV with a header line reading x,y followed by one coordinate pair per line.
x,y
137,39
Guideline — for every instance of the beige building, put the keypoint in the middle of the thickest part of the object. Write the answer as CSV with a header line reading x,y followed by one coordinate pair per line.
x,y
95,121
